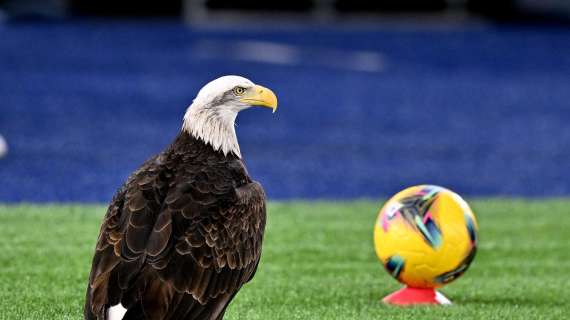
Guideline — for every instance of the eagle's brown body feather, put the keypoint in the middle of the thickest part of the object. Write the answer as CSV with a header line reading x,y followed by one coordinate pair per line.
x,y
179,238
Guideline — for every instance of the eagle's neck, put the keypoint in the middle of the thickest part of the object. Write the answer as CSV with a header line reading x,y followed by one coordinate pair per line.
x,y
214,127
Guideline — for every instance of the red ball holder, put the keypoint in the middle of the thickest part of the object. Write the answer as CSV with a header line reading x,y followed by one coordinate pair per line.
x,y
408,296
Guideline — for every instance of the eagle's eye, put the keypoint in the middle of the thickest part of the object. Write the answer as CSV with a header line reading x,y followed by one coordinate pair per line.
x,y
239,91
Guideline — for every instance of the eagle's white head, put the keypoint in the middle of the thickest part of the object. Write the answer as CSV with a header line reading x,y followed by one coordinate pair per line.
x,y
211,117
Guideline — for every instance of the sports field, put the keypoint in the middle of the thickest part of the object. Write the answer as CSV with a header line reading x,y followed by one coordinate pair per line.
x,y
364,111
318,263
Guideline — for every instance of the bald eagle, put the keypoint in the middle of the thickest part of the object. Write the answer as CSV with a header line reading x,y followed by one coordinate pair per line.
x,y
184,233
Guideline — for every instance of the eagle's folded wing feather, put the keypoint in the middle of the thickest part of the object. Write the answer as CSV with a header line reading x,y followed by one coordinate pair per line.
x,y
201,238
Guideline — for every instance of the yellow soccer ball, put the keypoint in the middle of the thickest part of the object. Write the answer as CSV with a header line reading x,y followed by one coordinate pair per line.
x,y
426,236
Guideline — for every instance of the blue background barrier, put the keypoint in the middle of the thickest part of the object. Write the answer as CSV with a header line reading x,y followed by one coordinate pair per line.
x,y
364,111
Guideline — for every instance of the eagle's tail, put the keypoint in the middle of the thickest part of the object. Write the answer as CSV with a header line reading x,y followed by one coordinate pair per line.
x,y
116,312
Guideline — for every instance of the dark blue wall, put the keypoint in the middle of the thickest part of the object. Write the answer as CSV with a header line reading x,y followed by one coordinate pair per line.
x,y
363,112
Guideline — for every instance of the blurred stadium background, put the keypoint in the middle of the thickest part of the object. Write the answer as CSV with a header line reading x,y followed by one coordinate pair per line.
x,y
374,95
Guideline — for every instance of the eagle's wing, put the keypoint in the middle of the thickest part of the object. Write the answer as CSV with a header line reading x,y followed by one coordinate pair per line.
x,y
119,253
202,237
207,244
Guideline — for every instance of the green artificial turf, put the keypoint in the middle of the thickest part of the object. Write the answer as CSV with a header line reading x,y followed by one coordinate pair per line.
x,y
318,263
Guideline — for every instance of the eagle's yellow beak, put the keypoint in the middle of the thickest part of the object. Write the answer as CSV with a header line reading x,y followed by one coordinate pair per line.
x,y
260,96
